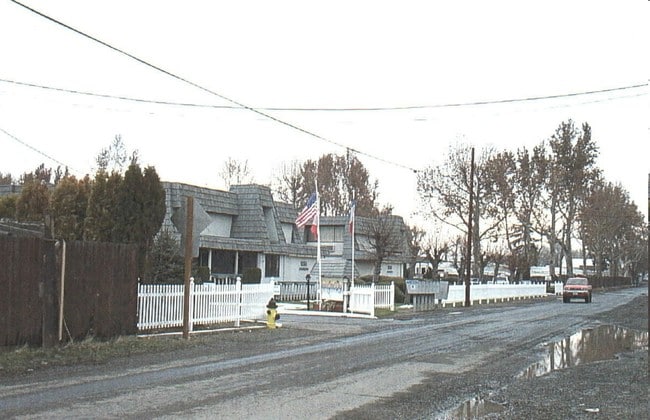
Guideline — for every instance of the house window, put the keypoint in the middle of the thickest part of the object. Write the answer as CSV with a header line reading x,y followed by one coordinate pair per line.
x,y
331,233
310,235
272,266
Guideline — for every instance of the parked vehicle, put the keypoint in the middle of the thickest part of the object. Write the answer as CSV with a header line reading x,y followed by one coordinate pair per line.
x,y
576,287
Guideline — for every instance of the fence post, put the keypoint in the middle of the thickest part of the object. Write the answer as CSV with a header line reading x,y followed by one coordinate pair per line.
x,y
392,296
238,297
191,305
372,299
48,280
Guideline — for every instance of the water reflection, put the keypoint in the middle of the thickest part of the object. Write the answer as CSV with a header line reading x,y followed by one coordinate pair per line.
x,y
475,408
589,345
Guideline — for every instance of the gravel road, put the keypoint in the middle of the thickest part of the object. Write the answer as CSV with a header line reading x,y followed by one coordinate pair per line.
x,y
449,363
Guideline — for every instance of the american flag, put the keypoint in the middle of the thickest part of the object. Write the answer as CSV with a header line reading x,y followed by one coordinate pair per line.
x,y
309,213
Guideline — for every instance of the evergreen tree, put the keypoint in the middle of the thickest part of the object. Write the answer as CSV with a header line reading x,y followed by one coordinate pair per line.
x,y
68,206
33,202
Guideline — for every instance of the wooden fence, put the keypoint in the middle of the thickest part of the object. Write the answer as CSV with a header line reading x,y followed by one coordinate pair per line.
x,y
20,278
160,306
56,291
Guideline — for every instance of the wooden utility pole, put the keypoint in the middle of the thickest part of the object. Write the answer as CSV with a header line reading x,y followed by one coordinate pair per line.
x,y
469,233
189,222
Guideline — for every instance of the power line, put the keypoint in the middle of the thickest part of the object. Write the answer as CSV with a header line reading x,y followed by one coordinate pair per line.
x,y
36,150
259,111
196,85
122,98
341,109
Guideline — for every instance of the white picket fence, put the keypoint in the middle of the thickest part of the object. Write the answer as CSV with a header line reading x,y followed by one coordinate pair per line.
x,y
366,298
161,305
296,291
486,293
382,296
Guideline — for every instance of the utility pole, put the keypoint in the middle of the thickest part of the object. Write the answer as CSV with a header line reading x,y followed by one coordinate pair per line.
x,y
469,232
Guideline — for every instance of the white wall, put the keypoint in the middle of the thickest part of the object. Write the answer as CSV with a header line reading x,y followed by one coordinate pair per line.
x,y
220,225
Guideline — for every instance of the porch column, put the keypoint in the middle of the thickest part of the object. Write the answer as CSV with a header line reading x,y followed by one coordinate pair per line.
x,y
210,263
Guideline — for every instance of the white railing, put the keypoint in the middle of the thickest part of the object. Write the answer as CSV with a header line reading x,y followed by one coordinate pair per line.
x,y
496,292
161,305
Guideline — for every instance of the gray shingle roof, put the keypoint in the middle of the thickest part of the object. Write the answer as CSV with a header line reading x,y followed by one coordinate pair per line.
x,y
255,205
212,201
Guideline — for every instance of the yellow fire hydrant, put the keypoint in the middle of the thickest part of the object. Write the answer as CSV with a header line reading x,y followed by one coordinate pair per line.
x,y
272,314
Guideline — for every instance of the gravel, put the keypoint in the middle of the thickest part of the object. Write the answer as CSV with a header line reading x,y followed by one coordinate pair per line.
x,y
613,389
616,388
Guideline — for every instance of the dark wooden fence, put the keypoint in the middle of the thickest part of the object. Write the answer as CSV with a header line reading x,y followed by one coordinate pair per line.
x,y
98,286
20,276
606,282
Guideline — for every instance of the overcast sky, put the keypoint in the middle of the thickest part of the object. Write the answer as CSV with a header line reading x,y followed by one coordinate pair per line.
x,y
350,56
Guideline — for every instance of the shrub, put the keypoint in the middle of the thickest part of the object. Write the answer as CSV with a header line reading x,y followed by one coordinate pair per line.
x,y
202,274
251,275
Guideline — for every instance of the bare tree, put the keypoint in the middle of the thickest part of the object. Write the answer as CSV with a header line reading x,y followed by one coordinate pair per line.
x,y
6,179
517,182
339,179
385,237
415,238
287,183
610,226
444,193
435,253
113,158
236,172
571,171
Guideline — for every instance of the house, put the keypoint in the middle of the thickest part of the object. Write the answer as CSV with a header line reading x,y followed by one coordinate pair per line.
x,y
245,228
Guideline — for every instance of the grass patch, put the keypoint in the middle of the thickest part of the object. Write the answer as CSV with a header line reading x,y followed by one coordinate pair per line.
x,y
16,360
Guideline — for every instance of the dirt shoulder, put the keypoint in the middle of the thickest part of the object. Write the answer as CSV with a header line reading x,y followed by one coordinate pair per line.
x,y
616,388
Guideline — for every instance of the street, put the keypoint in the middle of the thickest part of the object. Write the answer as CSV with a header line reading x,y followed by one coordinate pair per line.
x,y
327,368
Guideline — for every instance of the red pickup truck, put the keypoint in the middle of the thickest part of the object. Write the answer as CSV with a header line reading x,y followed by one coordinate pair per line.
x,y
576,287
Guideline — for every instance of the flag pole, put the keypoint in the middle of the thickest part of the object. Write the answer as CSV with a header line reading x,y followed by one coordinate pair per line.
x,y
318,256
354,222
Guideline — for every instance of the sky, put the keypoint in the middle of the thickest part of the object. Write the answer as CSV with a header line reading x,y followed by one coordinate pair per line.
x,y
400,83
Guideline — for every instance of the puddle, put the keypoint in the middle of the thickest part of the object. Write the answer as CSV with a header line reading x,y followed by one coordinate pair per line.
x,y
586,346
475,408
589,345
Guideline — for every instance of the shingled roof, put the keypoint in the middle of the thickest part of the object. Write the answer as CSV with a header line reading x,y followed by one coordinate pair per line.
x,y
212,201
256,219
255,204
